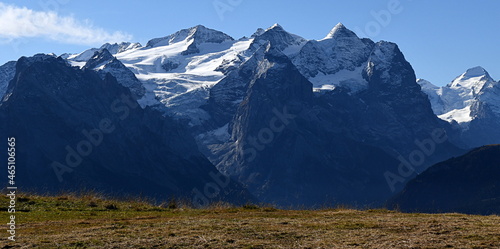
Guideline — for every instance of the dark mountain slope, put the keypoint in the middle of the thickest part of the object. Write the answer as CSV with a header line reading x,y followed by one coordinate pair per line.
x,y
468,184
291,152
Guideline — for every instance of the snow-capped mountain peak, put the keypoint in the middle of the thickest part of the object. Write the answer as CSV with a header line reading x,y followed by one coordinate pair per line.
x,y
120,47
473,94
103,62
275,26
336,60
202,34
112,48
279,38
199,34
340,31
470,101
474,79
475,72
99,59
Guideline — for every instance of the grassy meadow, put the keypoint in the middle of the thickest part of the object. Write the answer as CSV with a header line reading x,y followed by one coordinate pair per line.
x,y
90,221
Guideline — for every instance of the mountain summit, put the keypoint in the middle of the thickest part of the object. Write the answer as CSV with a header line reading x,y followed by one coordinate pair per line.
x,y
198,34
278,37
474,79
339,30
475,72
471,104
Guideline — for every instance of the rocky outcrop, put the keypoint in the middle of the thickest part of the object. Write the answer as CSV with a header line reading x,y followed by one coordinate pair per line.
x,y
103,62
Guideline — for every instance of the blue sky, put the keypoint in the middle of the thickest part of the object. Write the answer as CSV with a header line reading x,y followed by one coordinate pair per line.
x,y
441,39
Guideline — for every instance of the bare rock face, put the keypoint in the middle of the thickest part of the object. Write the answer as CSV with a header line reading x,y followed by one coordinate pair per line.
x,y
291,146
7,72
104,62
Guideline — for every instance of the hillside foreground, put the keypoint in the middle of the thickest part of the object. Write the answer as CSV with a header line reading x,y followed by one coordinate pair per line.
x,y
89,221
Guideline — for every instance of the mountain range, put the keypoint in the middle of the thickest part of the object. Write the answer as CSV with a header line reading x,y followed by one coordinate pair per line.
x,y
285,120
77,131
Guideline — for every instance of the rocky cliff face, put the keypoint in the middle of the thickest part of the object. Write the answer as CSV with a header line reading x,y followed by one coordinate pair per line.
x,y
76,131
379,112
280,129
286,154
7,72
397,113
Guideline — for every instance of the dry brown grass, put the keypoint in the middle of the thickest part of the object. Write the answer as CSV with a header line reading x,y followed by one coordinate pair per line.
x,y
91,222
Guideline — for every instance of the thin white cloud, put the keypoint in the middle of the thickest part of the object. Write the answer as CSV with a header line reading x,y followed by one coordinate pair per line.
x,y
17,22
